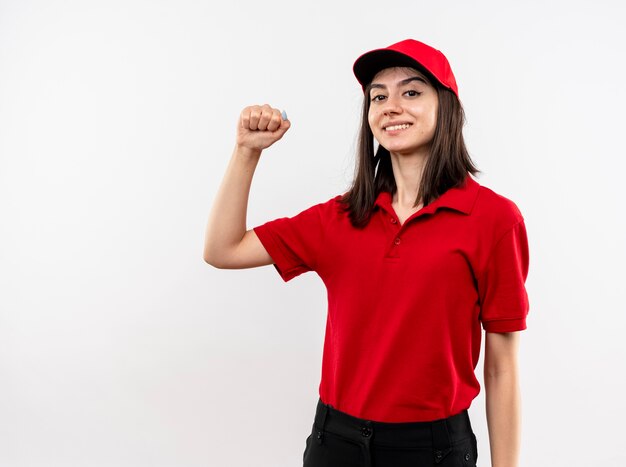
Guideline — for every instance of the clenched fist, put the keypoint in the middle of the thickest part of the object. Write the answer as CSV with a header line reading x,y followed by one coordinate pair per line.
x,y
260,126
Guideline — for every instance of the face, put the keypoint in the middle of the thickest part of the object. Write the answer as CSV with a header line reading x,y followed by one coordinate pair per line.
x,y
403,111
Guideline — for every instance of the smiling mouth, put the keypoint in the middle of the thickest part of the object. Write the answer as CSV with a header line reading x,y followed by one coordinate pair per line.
x,y
403,126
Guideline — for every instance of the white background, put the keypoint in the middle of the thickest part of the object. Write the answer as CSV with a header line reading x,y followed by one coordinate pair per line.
x,y
120,347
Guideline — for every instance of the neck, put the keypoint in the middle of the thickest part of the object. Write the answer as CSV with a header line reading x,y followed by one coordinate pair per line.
x,y
407,171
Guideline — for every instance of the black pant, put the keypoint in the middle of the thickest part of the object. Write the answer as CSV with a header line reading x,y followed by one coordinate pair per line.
x,y
341,440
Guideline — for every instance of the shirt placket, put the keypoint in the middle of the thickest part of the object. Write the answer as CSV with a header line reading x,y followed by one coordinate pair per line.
x,y
398,231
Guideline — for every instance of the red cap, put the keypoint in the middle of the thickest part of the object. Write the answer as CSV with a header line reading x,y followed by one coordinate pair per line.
x,y
410,53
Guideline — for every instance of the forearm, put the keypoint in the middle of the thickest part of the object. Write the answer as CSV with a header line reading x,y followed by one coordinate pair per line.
x,y
227,220
503,405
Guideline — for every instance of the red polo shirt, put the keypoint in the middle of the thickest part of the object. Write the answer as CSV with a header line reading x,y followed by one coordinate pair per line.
x,y
406,301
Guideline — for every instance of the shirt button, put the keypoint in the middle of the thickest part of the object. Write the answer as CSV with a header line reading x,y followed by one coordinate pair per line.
x,y
467,456
366,431
393,220
397,241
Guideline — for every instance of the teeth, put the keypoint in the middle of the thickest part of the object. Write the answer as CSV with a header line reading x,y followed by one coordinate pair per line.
x,y
397,127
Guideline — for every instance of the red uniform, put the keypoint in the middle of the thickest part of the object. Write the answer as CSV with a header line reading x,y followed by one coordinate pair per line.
x,y
406,302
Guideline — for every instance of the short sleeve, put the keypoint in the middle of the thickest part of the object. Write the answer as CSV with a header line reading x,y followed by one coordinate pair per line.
x,y
294,242
502,290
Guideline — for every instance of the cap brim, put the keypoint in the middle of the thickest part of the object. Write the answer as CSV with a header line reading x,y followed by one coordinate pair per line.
x,y
367,65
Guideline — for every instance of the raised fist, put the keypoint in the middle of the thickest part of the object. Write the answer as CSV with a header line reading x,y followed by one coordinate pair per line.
x,y
260,126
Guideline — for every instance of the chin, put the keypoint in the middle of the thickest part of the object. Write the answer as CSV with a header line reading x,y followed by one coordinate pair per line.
x,y
401,149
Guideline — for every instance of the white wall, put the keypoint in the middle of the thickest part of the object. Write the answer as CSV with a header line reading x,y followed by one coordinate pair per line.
x,y
120,347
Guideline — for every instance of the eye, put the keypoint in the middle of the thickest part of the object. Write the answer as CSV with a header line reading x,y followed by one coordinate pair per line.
x,y
412,93
378,98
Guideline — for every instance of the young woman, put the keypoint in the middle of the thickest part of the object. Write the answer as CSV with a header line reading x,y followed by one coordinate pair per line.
x,y
416,257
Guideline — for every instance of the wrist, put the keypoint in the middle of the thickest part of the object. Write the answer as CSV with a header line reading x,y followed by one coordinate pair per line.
x,y
245,151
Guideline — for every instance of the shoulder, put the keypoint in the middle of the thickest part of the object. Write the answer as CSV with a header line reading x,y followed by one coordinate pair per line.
x,y
321,211
495,209
331,207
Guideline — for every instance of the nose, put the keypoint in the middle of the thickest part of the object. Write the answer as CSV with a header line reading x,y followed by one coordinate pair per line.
x,y
392,105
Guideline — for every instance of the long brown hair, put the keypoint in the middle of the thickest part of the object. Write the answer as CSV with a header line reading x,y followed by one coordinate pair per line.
x,y
446,166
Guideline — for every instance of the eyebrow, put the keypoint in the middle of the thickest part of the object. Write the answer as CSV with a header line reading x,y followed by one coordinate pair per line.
x,y
402,83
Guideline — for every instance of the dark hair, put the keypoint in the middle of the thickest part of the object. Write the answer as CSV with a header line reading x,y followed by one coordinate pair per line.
x,y
446,166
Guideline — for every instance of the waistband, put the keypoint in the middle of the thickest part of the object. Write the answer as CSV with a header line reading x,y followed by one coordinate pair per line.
x,y
439,435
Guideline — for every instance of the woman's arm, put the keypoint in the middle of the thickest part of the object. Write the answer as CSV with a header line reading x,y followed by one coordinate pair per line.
x,y
503,399
227,243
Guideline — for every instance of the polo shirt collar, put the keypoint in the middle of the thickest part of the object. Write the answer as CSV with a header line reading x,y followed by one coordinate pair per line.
x,y
460,198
